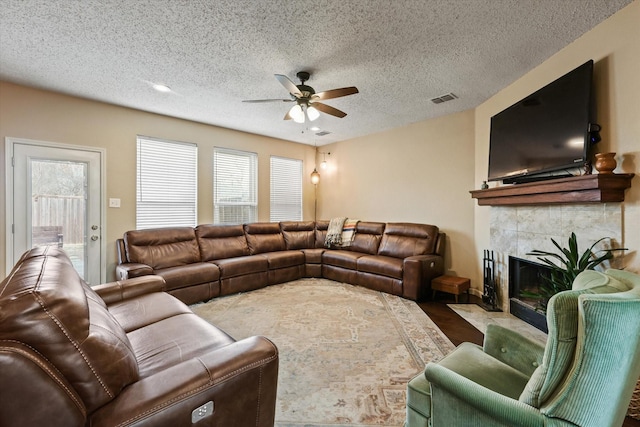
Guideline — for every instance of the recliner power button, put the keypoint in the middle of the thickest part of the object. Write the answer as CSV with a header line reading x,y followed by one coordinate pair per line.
x,y
504,350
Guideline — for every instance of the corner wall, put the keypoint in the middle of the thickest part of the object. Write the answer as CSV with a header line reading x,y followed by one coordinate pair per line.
x,y
47,116
613,45
418,173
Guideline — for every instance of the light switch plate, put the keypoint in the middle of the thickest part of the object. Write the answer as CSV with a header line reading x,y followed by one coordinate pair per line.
x,y
114,203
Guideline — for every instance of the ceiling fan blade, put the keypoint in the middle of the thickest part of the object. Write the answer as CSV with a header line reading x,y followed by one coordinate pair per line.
x,y
267,100
288,85
329,110
287,116
335,93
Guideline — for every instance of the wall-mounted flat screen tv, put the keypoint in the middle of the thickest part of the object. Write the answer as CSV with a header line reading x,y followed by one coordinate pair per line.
x,y
546,131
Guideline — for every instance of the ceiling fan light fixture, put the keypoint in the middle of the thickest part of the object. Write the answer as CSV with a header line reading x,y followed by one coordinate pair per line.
x,y
312,113
297,114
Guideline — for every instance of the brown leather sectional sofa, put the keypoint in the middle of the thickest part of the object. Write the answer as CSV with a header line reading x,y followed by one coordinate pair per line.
x,y
119,354
213,260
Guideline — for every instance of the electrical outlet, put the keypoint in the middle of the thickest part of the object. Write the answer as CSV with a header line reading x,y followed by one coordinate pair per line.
x,y
114,203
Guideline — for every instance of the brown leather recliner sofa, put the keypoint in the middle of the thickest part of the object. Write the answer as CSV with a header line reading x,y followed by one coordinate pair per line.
x,y
213,260
120,354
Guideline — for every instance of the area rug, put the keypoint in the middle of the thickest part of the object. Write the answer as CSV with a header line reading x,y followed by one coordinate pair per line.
x,y
346,352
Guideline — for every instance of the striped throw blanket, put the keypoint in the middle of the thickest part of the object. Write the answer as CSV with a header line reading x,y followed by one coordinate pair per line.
x,y
348,232
334,232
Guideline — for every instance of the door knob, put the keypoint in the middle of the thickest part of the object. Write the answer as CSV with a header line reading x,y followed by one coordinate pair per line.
x,y
94,237
94,227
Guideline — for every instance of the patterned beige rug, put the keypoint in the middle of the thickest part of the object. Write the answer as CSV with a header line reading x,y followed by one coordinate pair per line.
x,y
346,352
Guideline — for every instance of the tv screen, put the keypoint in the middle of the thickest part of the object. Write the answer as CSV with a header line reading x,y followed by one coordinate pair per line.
x,y
544,132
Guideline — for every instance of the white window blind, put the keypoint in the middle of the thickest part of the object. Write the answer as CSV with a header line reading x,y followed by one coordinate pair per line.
x,y
235,186
167,185
286,189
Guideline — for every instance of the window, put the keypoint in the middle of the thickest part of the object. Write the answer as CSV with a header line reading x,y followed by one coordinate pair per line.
x,y
235,186
286,189
167,185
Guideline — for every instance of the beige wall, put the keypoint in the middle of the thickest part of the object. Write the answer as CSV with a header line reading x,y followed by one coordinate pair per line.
x,y
614,47
418,173
47,116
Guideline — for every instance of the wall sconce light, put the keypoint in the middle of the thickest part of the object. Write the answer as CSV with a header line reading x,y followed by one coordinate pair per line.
x,y
315,177
323,165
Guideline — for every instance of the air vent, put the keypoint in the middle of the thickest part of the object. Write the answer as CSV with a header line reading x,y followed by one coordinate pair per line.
x,y
444,98
323,133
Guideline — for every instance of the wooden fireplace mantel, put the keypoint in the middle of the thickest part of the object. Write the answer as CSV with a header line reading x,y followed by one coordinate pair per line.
x,y
598,188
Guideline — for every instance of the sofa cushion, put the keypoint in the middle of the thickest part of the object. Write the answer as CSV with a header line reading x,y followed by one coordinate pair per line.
x,y
321,233
402,240
298,234
162,247
283,259
175,339
341,258
240,266
313,256
221,241
48,307
383,265
146,309
188,275
264,237
469,361
367,237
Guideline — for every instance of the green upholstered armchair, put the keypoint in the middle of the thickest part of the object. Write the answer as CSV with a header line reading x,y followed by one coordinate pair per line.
x,y
584,376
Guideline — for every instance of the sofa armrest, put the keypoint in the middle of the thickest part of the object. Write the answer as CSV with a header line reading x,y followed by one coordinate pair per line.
x,y
458,401
240,379
130,270
124,289
513,349
418,271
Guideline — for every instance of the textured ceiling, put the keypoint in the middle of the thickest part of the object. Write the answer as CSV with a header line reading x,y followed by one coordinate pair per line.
x,y
213,54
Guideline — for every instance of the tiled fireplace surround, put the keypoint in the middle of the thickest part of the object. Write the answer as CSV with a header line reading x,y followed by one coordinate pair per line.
x,y
516,230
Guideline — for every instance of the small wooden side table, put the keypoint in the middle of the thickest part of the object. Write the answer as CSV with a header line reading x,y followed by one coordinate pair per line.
x,y
451,285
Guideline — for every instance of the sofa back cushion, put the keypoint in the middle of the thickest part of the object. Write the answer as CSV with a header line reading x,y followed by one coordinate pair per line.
x,y
367,237
321,233
48,307
298,234
221,241
264,237
402,240
162,247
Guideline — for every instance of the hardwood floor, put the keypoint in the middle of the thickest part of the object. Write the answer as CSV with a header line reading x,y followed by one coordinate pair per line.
x,y
459,330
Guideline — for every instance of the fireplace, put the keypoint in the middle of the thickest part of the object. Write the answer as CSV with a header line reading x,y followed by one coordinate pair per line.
x,y
525,277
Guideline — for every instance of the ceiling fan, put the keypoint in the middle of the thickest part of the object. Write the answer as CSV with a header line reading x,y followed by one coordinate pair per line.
x,y
306,99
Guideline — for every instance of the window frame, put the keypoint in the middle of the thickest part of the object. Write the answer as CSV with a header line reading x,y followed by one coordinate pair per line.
x,y
170,188
242,211
280,196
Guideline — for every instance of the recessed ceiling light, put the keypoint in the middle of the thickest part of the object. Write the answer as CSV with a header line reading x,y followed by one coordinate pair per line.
x,y
315,128
161,88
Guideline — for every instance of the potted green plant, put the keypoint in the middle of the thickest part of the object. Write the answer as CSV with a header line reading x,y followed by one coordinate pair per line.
x,y
569,263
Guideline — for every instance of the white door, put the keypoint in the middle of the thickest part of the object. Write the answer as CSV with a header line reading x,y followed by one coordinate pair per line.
x,y
55,198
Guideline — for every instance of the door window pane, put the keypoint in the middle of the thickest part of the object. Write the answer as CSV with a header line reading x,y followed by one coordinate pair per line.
x,y
58,208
